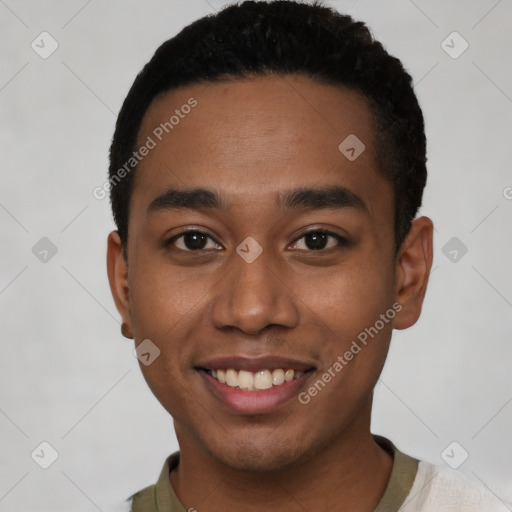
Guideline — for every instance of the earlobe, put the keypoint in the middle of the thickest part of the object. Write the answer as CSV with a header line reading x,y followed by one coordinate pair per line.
x,y
118,279
414,262
126,331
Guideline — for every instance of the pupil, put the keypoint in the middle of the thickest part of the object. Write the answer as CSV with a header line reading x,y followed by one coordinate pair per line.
x,y
195,240
316,241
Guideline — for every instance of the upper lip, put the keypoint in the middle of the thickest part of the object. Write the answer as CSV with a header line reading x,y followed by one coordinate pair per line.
x,y
254,364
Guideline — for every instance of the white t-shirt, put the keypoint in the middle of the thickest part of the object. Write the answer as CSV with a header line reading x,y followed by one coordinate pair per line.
x,y
441,489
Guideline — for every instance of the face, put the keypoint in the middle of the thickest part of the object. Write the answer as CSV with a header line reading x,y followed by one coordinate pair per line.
x,y
281,261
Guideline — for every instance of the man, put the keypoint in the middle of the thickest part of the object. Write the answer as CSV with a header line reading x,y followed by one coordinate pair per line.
x,y
266,169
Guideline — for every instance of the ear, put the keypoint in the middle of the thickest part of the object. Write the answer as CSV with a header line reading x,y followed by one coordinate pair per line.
x,y
117,271
414,262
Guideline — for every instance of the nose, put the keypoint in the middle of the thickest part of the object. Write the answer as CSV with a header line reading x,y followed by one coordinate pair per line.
x,y
253,296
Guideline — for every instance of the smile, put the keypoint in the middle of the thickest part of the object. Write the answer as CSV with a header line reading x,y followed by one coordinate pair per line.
x,y
260,391
254,381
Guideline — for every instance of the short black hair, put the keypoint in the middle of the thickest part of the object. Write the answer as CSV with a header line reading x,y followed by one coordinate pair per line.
x,y
285,37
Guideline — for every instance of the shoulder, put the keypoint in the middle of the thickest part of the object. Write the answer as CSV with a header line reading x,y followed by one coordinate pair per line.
x,y
440,489
159,497
144,500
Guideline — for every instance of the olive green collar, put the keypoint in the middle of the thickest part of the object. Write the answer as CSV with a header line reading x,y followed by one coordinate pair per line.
x,y
162,498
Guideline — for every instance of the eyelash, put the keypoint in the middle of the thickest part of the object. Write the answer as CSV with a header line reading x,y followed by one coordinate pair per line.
x,y
341,241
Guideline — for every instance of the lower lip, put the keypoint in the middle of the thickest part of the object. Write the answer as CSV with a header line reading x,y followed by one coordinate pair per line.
x,y
254,402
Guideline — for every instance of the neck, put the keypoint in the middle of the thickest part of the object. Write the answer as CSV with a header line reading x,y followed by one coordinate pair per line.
x,y
350,472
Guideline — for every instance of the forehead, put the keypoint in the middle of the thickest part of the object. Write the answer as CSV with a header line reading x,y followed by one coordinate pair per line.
x,y
257,136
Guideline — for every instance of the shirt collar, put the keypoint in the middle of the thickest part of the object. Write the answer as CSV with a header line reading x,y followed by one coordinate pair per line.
x,y
399,486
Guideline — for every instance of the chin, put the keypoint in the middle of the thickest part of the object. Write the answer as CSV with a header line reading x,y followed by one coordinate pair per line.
x,y
262,455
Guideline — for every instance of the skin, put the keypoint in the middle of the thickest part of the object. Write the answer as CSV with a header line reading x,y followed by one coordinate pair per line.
x,y
252,140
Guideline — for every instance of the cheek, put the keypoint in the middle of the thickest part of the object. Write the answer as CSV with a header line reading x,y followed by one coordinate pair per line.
x,y
164,301
347,313
165,308
351,299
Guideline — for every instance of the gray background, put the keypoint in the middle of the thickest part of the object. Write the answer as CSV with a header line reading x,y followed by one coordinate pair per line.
x,y
67,376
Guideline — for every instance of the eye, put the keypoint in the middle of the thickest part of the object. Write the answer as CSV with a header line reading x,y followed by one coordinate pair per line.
x,y
318,240
193,240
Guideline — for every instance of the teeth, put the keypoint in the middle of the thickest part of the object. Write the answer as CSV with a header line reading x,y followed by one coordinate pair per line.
x,y
278,377
288,376
263,380
232,378
249,381
245,380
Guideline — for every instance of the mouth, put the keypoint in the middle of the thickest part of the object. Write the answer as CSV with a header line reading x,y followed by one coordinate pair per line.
x,y
254,381
255,386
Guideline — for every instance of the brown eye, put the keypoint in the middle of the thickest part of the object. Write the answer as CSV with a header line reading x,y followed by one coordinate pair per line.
x,y
193,241
315,241
319,240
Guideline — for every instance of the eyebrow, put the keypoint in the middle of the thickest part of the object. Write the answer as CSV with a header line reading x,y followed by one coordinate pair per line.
x,y
334,197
